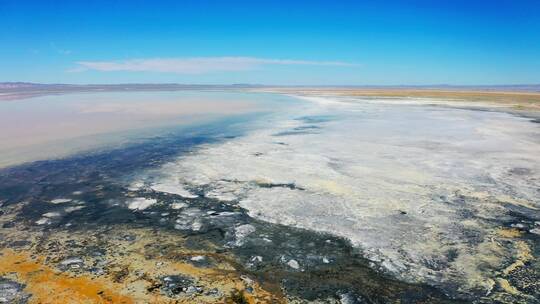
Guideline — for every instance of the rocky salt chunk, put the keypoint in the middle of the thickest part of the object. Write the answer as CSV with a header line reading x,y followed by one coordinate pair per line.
x,y
60,201
12,292
242,232
175,284
254,261
173,189
71,263
52,214
293,264
73,208
141,203
247,280
221,196
177,206
43,221
198,258
135,186
350,298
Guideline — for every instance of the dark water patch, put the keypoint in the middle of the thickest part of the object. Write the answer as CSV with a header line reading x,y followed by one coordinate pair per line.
x,y
88,170
316,119
312,125
520,171
293,132
309,127
291,186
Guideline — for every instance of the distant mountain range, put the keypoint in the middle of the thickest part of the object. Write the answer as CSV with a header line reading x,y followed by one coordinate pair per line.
x,y
129,86
9,86
15,85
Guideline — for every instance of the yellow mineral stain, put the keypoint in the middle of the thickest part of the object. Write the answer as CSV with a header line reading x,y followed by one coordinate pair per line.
x,y
48,286
332,187
516,201
509,232
505,285
523,256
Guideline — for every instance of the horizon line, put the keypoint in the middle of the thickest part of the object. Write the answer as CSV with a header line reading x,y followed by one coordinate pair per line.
x,y
270,85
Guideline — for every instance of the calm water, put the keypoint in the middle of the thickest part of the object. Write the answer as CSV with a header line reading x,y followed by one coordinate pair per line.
x,y
59,125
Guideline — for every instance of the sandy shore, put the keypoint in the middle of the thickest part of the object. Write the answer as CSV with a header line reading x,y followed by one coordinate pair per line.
x,y
516,100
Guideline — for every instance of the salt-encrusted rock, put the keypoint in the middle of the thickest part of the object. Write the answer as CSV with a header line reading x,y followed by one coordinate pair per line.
x,y
71,263
535,231
293,264
177,206
12,292
350,298
175,284
241,232
140,203
60,201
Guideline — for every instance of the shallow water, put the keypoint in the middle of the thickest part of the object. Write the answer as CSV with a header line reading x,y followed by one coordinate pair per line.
x,y
311,199
60,125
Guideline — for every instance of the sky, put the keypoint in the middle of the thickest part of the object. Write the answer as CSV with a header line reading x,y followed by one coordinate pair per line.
x,y
271,42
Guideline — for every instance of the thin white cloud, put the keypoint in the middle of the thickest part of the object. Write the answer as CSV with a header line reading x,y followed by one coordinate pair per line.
x,y
196,65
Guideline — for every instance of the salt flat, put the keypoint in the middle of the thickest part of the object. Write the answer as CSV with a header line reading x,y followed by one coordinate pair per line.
x,y
427,191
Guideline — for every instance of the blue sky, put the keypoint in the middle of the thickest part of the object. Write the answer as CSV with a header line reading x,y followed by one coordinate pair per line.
x,y
267,42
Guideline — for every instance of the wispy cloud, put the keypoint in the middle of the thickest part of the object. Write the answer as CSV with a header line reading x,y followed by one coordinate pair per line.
x,y
197,65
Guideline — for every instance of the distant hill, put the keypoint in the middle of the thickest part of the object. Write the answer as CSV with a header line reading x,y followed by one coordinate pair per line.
x,y
15,85
21,90
176,86
114,87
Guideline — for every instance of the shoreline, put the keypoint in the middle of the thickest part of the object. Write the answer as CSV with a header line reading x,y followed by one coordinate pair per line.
x,y
514,97
514,100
